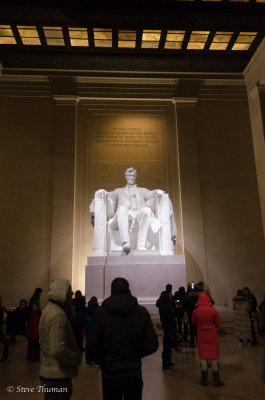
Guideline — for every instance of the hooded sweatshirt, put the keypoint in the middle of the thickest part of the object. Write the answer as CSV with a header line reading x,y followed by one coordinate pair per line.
x,y
60,354
121,334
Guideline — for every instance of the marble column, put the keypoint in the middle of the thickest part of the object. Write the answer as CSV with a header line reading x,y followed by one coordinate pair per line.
x,y
192,215
63,188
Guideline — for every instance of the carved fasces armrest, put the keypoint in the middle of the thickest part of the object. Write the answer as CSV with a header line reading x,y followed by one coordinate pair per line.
x,y
97,206
160,193
97,211
101,194
92,212
166,217
102,202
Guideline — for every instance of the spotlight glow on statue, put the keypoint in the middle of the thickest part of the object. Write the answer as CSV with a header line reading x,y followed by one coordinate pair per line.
x,y
136,218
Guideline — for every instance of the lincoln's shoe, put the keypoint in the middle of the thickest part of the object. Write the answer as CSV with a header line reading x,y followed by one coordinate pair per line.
x,y
126,248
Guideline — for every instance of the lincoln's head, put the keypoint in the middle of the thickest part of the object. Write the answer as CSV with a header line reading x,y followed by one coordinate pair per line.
x,y
130,175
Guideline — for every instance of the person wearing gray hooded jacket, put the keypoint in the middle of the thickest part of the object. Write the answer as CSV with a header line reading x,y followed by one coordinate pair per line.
x,y
60,355
242,320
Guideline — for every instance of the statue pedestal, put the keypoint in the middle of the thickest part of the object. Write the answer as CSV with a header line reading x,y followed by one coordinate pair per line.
x,y
147,274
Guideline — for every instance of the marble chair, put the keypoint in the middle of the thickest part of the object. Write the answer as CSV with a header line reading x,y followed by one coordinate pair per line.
x,y
107,240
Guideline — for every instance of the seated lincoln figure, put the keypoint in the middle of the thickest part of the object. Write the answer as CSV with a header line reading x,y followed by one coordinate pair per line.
x,y
133,206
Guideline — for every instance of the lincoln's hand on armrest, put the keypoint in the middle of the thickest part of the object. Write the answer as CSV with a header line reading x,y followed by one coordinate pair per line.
x,y
102,193
159,192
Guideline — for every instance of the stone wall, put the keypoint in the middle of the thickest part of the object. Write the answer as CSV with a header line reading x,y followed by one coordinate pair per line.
x,y
26,153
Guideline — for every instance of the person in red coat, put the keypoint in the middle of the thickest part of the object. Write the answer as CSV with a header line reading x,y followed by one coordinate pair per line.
x,y
206,318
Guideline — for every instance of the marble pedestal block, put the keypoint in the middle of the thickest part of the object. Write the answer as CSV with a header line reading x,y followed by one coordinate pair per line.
x,y
147,275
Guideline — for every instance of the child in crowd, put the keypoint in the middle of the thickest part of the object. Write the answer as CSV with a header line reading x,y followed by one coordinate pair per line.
x,y
33,353
92,306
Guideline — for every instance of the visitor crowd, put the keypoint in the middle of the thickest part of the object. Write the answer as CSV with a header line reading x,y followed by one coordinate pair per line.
x,y
120,332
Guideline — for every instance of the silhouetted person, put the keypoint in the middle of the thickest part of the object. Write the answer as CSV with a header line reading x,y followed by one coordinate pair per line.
x,y
33,353
169,288
262,316
3,311
35,298
16,324
251,299
78,320
79,301
167,318
253,312
121,334
179,298
92,306
191,299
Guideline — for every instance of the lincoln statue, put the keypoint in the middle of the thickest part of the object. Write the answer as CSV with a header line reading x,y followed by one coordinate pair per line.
x,y
130,207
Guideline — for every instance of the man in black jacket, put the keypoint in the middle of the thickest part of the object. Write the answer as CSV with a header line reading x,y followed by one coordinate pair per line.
x,y
121,334
166,307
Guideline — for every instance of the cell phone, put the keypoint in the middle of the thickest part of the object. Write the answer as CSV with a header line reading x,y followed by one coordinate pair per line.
x,y
193,285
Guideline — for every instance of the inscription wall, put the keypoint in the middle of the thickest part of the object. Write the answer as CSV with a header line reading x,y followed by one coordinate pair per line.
x,y
126,137
122,141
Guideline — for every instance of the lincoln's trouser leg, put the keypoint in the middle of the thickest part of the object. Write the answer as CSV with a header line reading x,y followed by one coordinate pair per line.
x,y
122,218
144,219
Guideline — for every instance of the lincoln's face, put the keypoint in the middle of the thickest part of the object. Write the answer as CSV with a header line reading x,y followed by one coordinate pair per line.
x,y
131,177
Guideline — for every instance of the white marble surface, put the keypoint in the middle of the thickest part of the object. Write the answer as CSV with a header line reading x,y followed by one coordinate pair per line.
x,y
147,276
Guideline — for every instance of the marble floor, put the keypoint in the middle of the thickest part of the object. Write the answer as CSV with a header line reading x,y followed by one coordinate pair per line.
x,y
242,370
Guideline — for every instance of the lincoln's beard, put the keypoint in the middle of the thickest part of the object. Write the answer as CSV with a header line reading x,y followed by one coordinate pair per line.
x,y
131,179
